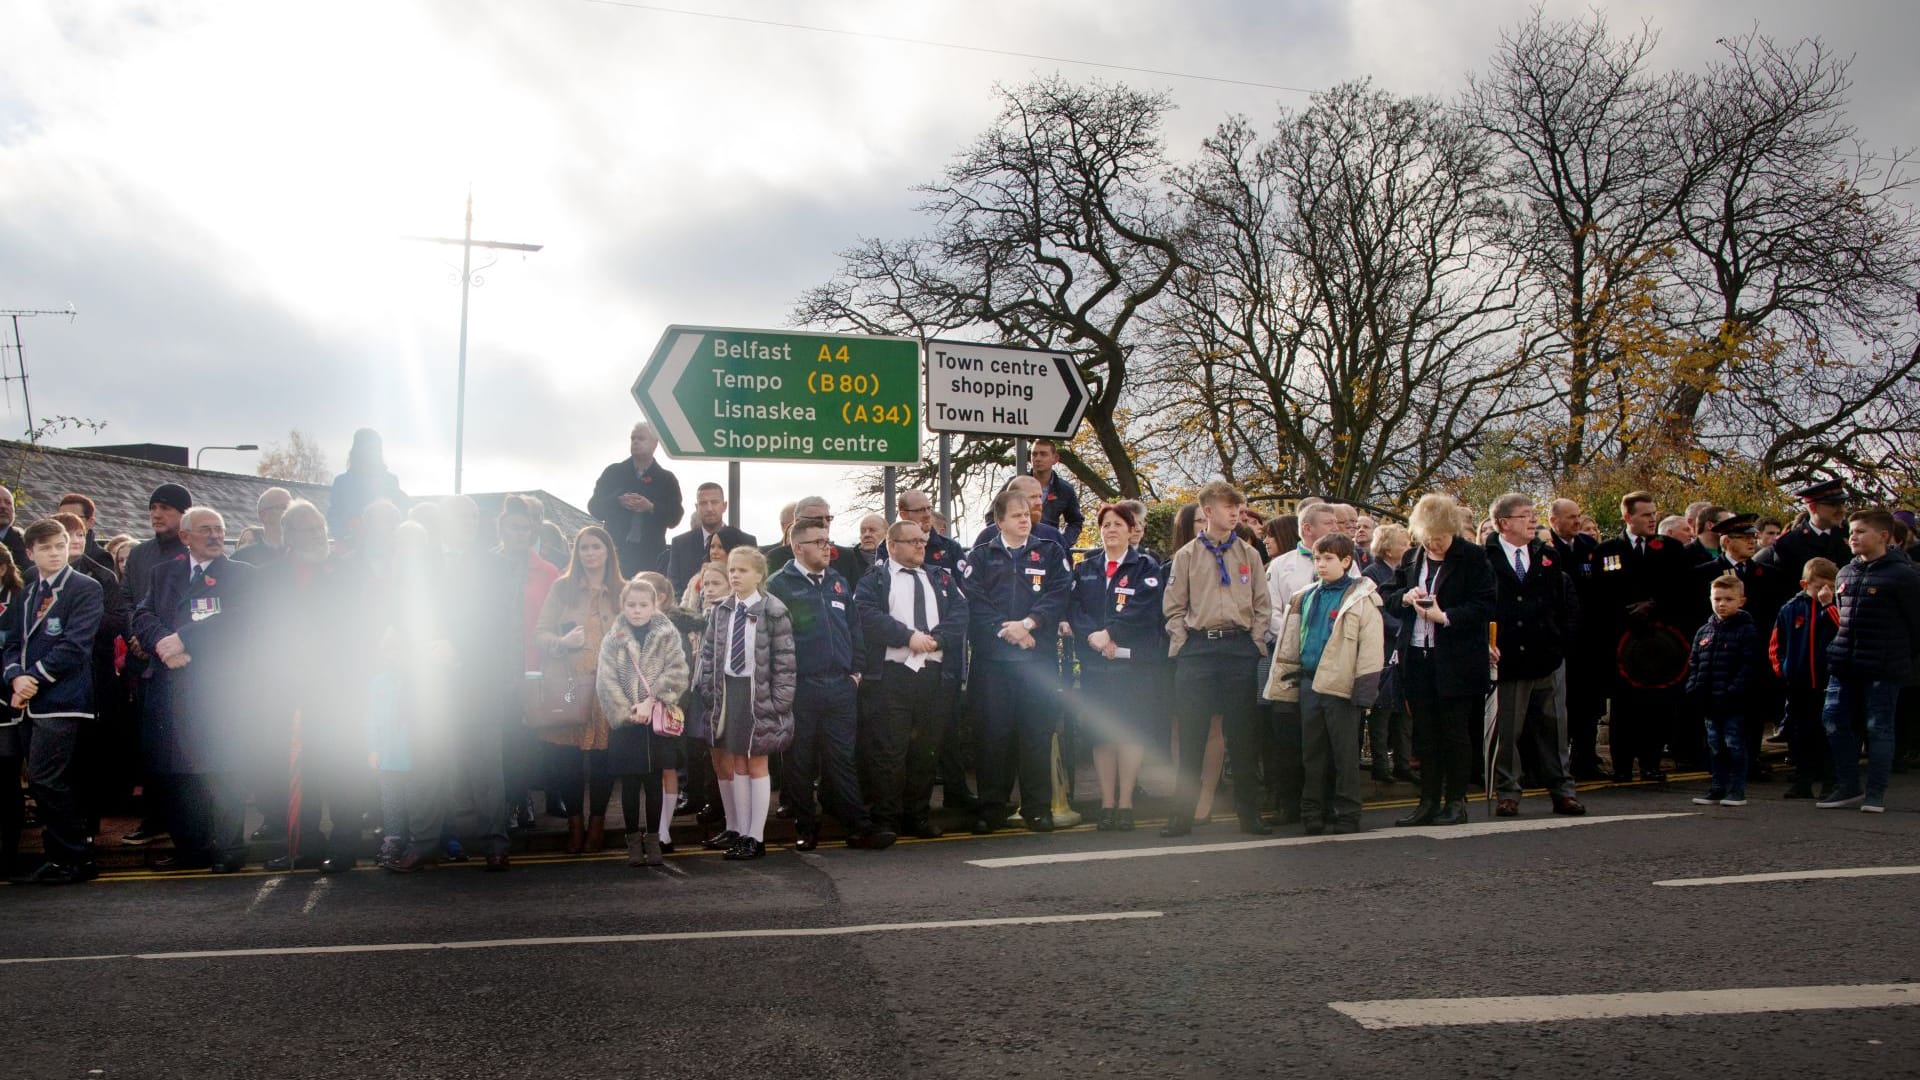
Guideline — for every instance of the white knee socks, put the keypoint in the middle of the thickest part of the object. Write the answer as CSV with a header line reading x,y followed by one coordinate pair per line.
x,y
727,801
761,788
665,828
742,803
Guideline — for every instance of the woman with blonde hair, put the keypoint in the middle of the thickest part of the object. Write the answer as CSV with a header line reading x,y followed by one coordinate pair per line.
x,y
1445,596
578,612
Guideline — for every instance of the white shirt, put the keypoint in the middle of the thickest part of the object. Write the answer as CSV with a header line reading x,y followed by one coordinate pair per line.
x,y
900,606
1525,560
752,606
1423,629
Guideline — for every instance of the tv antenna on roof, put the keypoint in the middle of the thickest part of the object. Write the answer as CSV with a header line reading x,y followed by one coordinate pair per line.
x,y
20,357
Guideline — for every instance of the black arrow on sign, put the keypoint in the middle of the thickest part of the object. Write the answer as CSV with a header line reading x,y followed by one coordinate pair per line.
x,y
1074,398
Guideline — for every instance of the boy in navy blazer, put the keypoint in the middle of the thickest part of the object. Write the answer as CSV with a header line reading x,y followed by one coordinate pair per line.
x,y
48,668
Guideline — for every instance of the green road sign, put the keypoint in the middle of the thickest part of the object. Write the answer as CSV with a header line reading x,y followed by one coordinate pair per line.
x,y
773,395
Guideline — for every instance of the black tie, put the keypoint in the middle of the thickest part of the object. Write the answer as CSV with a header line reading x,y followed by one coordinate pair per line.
x,y
815,578
1639,545
920,620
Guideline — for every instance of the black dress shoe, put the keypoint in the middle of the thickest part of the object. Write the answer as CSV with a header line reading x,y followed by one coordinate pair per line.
x,y
408,862
1041,823
1177,825
1315,827
53,873
228,866
1284,817
876,839
721,841
784,812
711,814
1104,823
809,839
984,826
747,848
1343,826
497,864
339,864
1125,821
280,864
1454,814
925,830
1424,814
1253,826
181,862
666,847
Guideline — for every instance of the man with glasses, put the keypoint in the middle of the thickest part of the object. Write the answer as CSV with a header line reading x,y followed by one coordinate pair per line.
x,y
946,553
941,551
193,623
1535,609
846,560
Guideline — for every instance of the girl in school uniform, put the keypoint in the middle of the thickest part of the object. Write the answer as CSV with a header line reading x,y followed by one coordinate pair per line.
x,y
747,677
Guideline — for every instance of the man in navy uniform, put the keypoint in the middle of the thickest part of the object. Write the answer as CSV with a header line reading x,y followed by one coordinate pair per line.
x,y
1822,535
914,616
638,501
946,553
688,552
48,664
1059,503
1017,589
827,648
193,623
1643,589
942,551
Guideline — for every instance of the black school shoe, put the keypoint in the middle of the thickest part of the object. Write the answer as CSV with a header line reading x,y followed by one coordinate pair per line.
x,y
723,841
746,848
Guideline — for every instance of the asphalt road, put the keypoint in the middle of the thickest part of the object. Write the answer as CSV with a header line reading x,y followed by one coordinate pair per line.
x,y
1221,963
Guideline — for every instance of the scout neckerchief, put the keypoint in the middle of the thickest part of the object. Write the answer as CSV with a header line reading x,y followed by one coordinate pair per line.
x,y
1219,553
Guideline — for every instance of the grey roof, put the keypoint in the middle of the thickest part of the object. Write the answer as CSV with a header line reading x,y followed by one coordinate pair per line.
x,y
120,488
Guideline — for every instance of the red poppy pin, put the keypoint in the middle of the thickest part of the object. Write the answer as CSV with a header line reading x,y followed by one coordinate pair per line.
x,y
211,581
1050,496
1033,556
1123,582
1544,561
1656,543
1798,622
1245,570
837,588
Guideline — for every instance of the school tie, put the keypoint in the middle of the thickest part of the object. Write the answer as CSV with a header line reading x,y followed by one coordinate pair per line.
x,y
43,599
737,651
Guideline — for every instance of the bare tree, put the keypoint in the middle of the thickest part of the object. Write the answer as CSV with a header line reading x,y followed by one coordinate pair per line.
x,y
299,458
1581,126
1345,326
1052,231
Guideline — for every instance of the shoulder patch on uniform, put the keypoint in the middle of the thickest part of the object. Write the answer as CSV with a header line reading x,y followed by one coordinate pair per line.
x,y
1150,582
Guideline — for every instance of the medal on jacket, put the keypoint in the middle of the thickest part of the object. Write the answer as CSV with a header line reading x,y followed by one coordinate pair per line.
x,y
1120,596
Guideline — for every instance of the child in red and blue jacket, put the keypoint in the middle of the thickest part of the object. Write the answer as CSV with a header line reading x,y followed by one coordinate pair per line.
x,y
1798,652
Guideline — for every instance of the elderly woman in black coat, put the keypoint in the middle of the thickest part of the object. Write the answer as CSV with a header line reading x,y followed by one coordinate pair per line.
x,y
1445,593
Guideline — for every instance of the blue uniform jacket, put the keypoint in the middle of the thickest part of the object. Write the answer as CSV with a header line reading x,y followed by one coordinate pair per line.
x,y
57,648
1032,581
1061,509
826,631
882,631
1126,606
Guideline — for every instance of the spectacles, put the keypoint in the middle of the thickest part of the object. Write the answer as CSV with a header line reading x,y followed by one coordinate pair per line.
x,y
822,542
922,542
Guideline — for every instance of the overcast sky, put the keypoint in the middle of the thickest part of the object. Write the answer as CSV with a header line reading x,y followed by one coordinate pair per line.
x,y
220,188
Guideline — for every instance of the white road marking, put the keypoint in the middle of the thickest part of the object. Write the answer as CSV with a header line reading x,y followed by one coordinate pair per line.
x,y
1793,875
320,887
1455,832
267,888
609,939
1450,1012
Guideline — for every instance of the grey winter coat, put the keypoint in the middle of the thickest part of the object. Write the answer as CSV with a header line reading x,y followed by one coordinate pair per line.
x,y
774,673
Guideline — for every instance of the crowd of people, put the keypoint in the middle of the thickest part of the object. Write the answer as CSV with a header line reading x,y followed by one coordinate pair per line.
x,y
386,677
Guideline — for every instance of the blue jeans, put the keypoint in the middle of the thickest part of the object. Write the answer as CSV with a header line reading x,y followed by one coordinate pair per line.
x,y
1727,754
1848,699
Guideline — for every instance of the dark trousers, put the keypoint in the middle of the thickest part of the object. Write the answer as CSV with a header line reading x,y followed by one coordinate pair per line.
x,y
1807,741
1013,708
55,783
206,814
826,719
580,779
900,737
1637,728
13,810
1212,679
482,785
1444,730
1287,780
632,786
1330,752
1586,700
950,763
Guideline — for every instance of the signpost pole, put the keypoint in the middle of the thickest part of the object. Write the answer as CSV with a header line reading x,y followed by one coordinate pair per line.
x,y
891,481
1020,455
733,494
946,477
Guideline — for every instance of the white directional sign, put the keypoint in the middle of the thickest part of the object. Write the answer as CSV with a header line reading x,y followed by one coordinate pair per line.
x,y
996,390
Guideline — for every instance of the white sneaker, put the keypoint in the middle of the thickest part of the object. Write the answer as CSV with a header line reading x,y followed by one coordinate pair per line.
x,y
1873,808
1840,800
1706,800
1741,801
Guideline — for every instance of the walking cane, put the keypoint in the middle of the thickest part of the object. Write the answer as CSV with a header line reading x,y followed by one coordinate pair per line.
x,y
1490,725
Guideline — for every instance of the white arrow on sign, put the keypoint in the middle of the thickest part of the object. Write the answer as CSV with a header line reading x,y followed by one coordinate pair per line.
x,y
660,392
997,390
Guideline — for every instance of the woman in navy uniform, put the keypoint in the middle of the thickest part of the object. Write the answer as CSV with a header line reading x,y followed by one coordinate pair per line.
x,y
1115,617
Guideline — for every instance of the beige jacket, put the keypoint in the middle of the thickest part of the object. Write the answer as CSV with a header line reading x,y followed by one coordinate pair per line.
x,y
1355,654
1195,600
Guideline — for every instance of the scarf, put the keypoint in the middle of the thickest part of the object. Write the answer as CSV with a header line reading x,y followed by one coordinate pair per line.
x,y
1219,553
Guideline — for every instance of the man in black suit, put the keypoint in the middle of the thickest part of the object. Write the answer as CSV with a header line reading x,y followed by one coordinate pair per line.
x,y
846,561
1641,585
638,501
915,620
199,693
1535,610
1588,668
688,552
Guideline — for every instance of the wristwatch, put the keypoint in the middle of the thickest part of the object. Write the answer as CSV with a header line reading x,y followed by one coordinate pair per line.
x,y
1029,623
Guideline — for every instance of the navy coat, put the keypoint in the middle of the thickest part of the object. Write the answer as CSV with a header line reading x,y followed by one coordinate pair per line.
x,y
826,629
1034,582
57,648
194,719
881,631
1126,606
